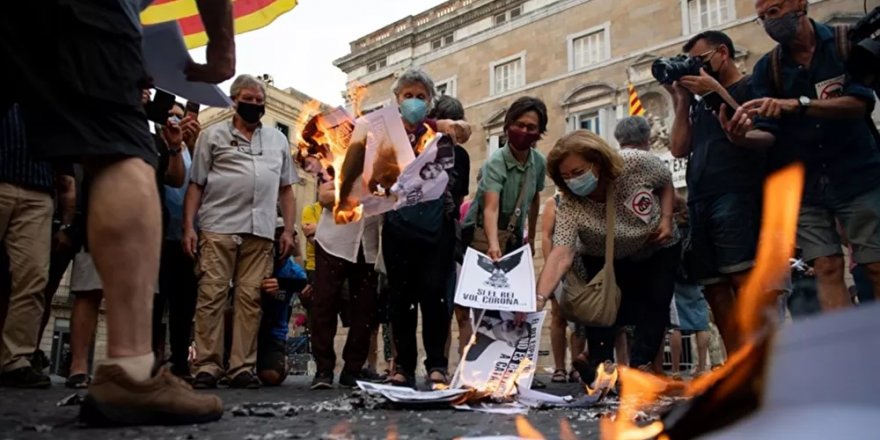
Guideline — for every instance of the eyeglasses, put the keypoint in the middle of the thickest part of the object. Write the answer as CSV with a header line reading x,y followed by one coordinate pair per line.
x,y
249,150
703,56
774,11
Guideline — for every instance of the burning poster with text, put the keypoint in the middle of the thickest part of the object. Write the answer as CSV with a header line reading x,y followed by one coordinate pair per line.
x,y
502,355
507,284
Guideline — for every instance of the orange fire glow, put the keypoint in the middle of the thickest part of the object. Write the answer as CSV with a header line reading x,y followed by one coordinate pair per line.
x,y
525,429
355,94
782,196
606,379
565,431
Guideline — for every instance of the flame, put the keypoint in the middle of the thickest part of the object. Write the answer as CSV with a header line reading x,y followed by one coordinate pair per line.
x,y
525,429
754,317
355,94
429,135
392,432
606,379
565,431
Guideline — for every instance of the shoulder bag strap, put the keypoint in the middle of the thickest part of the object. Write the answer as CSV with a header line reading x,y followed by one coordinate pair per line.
x,y
776,71
517,211
842,40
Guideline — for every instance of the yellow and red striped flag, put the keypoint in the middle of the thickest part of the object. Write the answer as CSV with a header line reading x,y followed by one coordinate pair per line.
x,y
635,104
248,14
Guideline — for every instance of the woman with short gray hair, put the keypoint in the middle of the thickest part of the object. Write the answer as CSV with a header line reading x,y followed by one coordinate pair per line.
x,y
633,132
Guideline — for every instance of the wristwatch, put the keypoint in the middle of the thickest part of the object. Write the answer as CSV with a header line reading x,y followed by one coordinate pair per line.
x,y
804,103
175,151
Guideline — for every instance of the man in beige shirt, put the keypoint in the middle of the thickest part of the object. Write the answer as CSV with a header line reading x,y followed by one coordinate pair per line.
x,y
240,170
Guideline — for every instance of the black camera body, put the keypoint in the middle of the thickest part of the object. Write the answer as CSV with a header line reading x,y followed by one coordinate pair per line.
x,y
669,70
864,58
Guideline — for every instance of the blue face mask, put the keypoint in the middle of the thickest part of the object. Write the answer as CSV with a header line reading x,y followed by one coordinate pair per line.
x,y
413,110
584,184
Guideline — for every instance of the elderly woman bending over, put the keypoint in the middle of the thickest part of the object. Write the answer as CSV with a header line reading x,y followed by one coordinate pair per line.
x,y
646,254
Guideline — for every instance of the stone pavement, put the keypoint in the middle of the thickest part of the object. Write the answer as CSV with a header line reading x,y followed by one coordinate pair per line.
x,y
291,411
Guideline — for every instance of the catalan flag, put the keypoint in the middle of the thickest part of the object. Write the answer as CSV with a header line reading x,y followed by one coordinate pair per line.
x,y
248,14
635,104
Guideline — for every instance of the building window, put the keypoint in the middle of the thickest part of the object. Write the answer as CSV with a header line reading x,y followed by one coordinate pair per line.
x,y
704,14
508,74
376,65
283,128
443,41
589,121
588,47
508,15
446,87
495,142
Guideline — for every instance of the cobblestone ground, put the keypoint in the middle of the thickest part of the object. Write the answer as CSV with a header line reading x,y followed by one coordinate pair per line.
x,y
290,412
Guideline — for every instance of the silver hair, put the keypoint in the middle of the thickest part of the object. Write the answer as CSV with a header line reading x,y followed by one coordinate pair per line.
x,y
414,76
246,81
633,130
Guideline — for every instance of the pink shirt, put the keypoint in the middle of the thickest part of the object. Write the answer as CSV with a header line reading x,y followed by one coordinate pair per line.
x,y
465,207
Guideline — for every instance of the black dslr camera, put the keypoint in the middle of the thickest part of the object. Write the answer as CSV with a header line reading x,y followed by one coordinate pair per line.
x,y
669,70
863,63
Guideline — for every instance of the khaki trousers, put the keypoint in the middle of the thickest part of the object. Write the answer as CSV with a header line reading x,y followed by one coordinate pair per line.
x,y
245,260
25,228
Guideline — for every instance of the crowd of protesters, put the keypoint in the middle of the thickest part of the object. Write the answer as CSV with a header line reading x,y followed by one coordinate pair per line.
x,y
212,214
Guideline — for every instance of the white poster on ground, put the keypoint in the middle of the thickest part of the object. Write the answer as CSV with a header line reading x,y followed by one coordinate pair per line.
x,y
503,355
507,284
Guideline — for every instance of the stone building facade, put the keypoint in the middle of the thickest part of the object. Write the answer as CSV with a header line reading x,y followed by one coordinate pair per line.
x,y
576,55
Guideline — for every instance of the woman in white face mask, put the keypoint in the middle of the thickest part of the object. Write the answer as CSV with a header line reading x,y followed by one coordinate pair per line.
x,y
646,250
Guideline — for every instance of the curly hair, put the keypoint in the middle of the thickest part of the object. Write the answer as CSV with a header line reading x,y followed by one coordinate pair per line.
x,y
591,148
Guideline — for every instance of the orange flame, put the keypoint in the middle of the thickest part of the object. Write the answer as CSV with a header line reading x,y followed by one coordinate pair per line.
x,y
606,379
782,196
355,94
391,432
525,429
565,431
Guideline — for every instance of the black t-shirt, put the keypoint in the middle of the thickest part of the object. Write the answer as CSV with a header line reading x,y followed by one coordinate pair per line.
x,y
717,166
459,176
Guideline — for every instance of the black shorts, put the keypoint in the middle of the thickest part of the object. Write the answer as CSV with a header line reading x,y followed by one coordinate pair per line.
x,y
76,69
724,236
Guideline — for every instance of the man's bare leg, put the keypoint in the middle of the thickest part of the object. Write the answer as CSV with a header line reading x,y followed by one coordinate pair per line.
x,y
621,347
829,279
675,351
702,352
463,318
84,321
721,300
124,233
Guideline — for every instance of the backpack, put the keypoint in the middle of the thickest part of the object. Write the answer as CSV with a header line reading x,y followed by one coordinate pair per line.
x,y
844,46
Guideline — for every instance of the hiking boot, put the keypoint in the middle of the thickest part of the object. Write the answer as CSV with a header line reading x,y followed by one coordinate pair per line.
x,y
204,381
114,399
245,380
323,381
25,377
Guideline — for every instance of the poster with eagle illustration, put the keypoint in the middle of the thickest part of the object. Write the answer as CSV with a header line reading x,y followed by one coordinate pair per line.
x,y
507,284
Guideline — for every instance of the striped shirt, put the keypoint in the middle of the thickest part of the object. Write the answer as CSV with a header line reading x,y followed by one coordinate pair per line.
x,y
17,165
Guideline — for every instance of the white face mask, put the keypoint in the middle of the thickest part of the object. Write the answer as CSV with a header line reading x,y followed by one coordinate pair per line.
x,y
584,184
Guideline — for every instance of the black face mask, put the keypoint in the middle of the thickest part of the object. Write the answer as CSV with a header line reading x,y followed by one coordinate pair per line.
x,y
250,113
707,66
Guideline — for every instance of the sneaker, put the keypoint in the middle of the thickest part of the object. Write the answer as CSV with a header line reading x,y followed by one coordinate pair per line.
x,y
39,361
204,381
114,399
245,380
25,377
323,381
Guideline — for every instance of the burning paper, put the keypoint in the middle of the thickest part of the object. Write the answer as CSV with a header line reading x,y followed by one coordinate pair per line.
x,y
511,408
508,284
409,395
502,355
537,399
425,178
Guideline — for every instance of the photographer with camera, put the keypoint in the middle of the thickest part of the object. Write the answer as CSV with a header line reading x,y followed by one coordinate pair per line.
x,y
725,170
821,119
